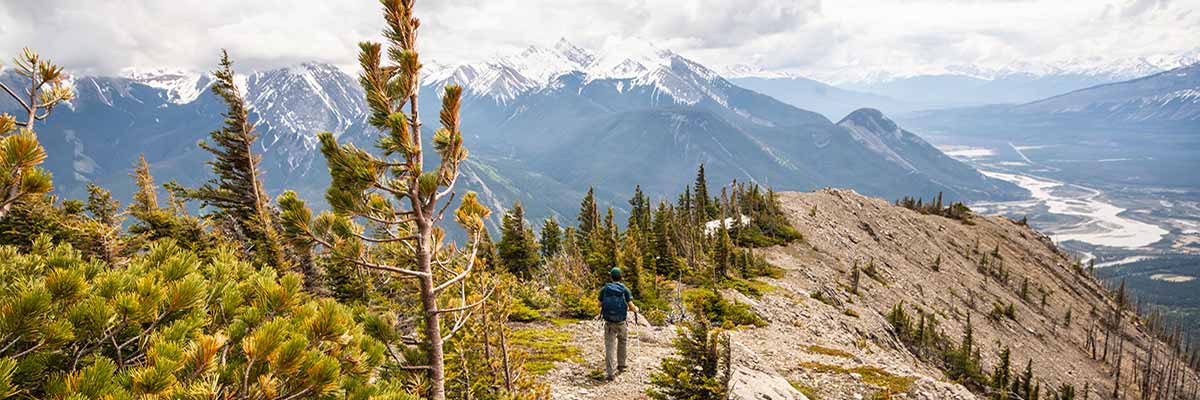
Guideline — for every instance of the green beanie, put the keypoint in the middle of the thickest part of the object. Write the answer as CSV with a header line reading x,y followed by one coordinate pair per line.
x,y
615,273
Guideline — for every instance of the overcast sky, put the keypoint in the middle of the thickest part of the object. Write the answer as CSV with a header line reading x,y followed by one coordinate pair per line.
x,y
104,36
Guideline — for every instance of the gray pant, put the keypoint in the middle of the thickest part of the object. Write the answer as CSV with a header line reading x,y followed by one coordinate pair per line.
x,y
615,335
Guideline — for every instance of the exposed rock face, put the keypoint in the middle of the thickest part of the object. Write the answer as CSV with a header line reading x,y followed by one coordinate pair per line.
x,y
753,380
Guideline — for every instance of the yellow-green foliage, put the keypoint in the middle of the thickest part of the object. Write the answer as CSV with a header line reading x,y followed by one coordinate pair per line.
x,y
828,351
889,384
545,347
750,287
576,301
168,324
808,391
719,310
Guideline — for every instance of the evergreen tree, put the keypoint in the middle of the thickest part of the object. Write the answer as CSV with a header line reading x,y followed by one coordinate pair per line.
x,y
154,223
723,255
640,213
664,246
518,248
19,173
1001,375
1122,298
589,216
105,223
403,197
632,260
700,368
236,191
551,241
702,203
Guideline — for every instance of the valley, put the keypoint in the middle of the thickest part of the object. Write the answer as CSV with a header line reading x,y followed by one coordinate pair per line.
x,y
1123,199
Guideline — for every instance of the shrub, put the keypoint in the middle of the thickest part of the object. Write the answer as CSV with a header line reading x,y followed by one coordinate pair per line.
x,y
576,302
699,369
711,306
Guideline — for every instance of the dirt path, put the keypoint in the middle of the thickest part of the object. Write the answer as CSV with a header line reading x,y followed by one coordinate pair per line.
x,y
571,380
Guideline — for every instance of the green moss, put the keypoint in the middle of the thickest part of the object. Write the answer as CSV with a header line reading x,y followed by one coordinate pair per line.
x,y
545,347
888,383
808,391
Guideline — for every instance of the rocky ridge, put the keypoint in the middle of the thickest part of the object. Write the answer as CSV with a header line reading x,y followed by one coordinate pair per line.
x,y
843,347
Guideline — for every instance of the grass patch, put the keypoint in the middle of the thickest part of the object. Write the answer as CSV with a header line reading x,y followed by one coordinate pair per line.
x,y
807,391
545,347
888,383
850,313
749,287
828,351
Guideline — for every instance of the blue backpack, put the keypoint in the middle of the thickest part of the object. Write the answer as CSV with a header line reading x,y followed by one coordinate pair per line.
x,y
613,306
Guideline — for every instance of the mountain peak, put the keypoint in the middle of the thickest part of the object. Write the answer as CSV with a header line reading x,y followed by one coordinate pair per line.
x,y
870,118
180,86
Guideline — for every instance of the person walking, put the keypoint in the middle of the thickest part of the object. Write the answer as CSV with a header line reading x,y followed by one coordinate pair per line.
x,y
615,303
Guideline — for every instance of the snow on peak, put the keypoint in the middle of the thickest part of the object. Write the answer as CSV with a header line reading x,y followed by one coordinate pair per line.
x,y
628,58
180,86
639,62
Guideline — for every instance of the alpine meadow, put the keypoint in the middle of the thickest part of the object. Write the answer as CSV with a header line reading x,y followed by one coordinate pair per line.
x,y
705,200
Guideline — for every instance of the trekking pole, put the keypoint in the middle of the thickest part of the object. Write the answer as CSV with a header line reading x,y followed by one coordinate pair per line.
x,y
637,338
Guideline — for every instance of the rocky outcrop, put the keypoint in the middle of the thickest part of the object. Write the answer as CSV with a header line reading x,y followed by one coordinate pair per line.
x,y
753,380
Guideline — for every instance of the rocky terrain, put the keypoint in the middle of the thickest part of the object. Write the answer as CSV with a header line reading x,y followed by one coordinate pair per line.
x,y
840,345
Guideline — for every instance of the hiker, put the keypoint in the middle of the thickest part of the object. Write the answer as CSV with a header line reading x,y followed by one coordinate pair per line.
x,y
615,302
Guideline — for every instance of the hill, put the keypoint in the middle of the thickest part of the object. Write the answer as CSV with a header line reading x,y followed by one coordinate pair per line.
x,y
834,344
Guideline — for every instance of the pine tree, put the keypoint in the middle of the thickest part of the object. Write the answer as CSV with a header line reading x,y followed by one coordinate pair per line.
x,y
19,173
398,193
106,226
236,192
723,255
518,249
154,223
700,368
632,260
664,245
1122,297
551,241
702,201
639,209
145,199
1001,375
589,216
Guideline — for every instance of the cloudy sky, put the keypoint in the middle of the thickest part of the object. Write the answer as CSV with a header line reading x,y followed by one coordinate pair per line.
x,y
104,36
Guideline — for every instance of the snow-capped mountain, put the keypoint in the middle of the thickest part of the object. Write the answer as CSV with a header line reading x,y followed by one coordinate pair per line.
x,y
630,64
179,86
1172,95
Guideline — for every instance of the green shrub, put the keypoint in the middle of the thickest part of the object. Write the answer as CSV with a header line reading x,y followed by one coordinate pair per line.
x,y
576,302
713,307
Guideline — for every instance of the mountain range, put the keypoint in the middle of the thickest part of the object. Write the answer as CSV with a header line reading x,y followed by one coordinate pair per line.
x,y
950,86
551,119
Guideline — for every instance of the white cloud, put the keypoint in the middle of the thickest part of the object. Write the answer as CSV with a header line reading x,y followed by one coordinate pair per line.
x,y
800,35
